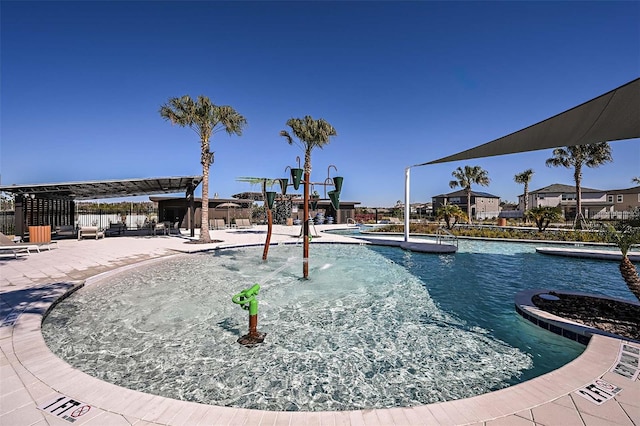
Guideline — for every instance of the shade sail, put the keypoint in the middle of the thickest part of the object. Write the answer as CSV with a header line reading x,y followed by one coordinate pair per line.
x,y
90,190
612,116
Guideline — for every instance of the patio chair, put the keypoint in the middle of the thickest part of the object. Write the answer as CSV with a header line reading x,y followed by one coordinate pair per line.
x,y
90,231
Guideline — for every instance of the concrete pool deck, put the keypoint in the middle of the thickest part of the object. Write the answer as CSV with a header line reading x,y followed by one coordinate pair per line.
x,y
31,376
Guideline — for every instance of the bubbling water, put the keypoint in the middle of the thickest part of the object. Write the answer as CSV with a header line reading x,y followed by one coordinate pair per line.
x,y
362,332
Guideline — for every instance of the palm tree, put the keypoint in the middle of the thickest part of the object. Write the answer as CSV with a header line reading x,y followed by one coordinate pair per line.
x,y
636,180
205,118
626,237
311,134
524,178
543,216
467,177
450,212
576,156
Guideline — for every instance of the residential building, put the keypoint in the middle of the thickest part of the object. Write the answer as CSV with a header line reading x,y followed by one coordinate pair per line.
x,y
483,204
594,201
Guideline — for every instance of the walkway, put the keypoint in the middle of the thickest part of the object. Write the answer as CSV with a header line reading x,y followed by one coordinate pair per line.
x,y
31,376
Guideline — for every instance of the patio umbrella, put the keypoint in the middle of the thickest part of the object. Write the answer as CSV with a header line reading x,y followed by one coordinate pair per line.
x,y
228,206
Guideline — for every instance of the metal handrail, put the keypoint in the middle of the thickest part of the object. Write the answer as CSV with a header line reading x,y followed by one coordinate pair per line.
x,y
444,236
350,220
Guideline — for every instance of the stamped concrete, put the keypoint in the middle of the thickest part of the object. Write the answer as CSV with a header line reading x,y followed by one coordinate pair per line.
x,y
30,375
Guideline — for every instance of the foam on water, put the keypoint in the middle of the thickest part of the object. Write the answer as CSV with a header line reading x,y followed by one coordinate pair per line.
x,y
362,332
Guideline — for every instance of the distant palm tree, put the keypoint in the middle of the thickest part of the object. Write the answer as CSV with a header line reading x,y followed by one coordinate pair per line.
x,y
636,180
524,178
625,238
311,134
206,119
576,156
466,177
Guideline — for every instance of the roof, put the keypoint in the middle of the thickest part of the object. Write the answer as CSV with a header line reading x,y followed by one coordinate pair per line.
x,y
93,190
561,188
632,190
612,116
463,193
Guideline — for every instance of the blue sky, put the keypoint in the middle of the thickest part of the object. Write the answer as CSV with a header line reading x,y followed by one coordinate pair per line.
x,y
402,83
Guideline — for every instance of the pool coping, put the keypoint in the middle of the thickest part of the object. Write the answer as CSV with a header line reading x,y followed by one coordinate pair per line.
x,y
44,376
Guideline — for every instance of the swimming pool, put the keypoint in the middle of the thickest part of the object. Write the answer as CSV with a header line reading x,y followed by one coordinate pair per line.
x,y
374,327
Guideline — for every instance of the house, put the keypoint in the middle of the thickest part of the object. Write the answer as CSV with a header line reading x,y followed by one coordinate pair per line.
x,y
594,201
483,205
623,202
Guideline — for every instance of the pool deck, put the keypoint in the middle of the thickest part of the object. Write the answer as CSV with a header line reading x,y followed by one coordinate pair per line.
x,y
31,376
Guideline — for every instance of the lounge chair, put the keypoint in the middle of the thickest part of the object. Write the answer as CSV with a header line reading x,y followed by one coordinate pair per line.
x,y
219,224
243,223
90,231
7,244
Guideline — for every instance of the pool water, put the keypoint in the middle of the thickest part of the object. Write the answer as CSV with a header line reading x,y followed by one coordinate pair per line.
x,y
373,327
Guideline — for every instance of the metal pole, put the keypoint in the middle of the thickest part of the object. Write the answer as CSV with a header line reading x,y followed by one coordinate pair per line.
x,y
305,226
407,208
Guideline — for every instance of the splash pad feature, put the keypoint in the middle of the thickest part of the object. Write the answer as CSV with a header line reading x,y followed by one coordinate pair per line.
x,y
247,300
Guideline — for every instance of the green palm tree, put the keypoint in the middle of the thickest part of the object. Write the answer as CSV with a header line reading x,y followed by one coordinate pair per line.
x,y
625,238
636,180
576,156
205,118
524,178
543,216
450,212
310,134
466,177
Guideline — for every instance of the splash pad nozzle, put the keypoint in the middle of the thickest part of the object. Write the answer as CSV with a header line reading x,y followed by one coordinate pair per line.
x,y
247,300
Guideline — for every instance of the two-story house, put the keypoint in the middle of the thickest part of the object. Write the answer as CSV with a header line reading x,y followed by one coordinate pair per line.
x,y
623,201
483,205
594,201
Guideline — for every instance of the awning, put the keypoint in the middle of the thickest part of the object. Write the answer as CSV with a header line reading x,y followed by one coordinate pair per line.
x,y
612,116
93,190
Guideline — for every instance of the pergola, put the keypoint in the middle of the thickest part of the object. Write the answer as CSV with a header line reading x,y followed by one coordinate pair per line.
x,y
54,203
612,116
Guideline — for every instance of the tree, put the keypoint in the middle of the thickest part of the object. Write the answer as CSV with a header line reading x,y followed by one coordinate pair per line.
x,y
636,180
543,216
466,177
450,212
310,134
524,178
576,156
205,118
625,238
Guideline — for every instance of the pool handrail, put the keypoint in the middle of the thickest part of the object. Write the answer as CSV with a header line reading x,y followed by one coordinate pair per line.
x,y
443,236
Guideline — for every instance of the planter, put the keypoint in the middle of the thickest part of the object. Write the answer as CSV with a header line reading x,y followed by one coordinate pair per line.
x,y
40,234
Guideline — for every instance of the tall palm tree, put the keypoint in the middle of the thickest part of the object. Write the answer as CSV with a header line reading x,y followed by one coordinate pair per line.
x,y
311,134
524,178
576,156
466,177
205,118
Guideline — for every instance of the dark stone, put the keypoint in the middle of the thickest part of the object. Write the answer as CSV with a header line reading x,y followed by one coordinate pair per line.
x,y
612,316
